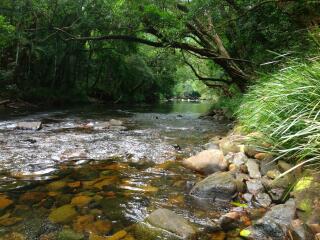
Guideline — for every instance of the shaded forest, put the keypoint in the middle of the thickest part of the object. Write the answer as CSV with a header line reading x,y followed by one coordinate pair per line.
x,y
119,51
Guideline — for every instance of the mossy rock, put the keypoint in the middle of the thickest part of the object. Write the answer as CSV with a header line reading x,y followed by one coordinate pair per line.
x,y
63,214
144,231
68,234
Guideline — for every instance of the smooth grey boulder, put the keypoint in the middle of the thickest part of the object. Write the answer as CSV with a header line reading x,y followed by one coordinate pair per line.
x,y
171,222
207,161
29,125
219,185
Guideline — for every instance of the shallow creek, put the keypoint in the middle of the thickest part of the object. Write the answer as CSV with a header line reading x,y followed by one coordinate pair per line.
x,y
107,179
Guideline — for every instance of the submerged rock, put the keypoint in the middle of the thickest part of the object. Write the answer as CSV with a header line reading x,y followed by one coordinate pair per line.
x,y
170,221
208,161
68,234
29,125
63,214
5,202
219,185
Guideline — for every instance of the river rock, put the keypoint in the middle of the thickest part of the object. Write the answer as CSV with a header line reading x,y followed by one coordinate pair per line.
x,y
230,221
300,231
81,200
277,194
5,202
253,168
254,186
274,225
170,221
219,185
116,122
208,161
262,200
68,234
263,156
63,214
239,159
29,125
267,165
273,173
247,197
211,146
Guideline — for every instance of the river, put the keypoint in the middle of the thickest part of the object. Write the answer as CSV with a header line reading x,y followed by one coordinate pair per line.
x,y
114,177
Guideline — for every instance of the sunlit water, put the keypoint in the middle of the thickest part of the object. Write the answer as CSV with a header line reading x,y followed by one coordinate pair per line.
x,y
126,173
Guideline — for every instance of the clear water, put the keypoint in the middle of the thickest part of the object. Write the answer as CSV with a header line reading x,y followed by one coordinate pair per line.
x,y
124,174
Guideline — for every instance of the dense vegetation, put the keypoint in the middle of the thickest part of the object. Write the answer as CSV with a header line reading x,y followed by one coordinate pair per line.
x,y
120,50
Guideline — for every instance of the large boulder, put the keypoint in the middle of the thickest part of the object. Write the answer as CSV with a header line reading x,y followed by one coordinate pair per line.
x,y
29,125
208,161
219,185
171,222
274,225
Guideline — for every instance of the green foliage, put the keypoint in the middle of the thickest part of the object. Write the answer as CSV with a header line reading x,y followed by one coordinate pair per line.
x,y
285,107
6,32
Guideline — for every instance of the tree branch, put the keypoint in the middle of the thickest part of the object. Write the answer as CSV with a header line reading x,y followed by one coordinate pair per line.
x,y
201,77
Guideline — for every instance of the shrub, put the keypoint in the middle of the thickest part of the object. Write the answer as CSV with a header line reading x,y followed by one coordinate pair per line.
x,y
285,107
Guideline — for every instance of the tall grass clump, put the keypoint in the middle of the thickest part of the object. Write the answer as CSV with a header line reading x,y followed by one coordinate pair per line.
x,y
285,108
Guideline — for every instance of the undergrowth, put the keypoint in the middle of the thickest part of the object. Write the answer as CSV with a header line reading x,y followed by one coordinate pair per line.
x,y
285,108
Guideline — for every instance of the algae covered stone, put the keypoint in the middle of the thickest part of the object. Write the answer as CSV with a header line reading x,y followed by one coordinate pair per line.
x,y
63,214
171,222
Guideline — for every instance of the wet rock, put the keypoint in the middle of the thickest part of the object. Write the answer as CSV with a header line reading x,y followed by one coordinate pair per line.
x,y
211,146
219,185
74,154
8,221
13,236
29,125
300,231
169,221
253,168
254,186
208,161
274,225
63,214
68,234
87,224
116,122
262,200
81,200
273,173
56,186
5,202
230,221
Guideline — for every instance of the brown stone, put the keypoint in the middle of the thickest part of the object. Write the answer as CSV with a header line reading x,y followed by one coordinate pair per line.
x,y
5,202
81,200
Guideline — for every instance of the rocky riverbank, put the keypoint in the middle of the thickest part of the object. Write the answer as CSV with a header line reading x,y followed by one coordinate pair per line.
x,y
202,187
